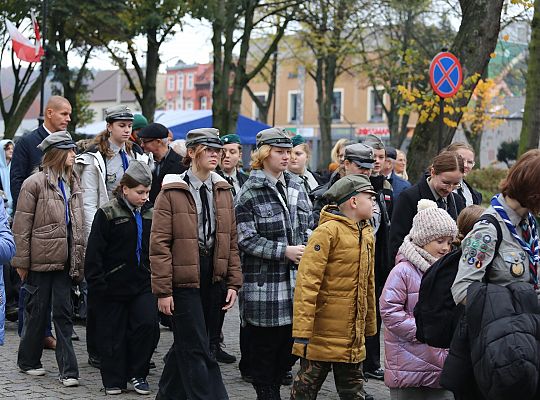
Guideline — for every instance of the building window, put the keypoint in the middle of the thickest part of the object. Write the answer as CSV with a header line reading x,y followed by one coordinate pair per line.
x,y
337,101
375,107
180,82
203,102
190,81
170,83
294,97
189,105
256,112
170,105
179,103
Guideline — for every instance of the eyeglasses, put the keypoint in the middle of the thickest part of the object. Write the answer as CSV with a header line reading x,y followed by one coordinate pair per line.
x,y
469,162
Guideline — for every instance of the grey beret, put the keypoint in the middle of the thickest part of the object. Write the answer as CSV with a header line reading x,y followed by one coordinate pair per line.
x,y
347,187
140,172
374,141
118,113
205,136
274,137
360,154
59,140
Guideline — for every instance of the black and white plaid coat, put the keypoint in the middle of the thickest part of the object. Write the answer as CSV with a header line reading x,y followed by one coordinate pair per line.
x,y
266,226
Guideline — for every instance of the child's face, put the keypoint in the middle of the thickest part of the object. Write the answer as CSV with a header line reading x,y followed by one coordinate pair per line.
x,y
439,247
364,205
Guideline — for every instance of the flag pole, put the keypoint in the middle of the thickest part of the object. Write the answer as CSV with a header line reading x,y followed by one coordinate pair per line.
x,y
41,117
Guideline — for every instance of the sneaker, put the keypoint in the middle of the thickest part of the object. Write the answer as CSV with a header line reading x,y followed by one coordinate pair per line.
x,y
113,391
34,371
223,357
377,374
140,385
69,382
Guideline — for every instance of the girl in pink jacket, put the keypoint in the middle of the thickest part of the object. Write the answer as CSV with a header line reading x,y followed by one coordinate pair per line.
x,y
413,369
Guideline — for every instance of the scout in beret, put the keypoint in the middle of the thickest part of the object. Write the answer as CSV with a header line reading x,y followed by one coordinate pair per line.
x,y
229,166
298,163
139,122
379,152
338,258
118,273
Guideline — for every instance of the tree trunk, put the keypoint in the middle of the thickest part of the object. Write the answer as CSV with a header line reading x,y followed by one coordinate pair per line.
x,y
473,45
14,121
530,129
148,105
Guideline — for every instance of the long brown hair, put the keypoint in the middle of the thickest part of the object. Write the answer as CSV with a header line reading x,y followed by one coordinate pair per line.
x,y
102,142
466,220
126,181
54,161
199,149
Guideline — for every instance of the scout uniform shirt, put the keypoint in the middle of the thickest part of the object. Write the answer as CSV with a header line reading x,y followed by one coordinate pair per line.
x,y
509,265
115,167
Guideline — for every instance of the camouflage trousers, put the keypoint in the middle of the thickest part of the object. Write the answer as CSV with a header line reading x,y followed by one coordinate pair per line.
x,y
349,380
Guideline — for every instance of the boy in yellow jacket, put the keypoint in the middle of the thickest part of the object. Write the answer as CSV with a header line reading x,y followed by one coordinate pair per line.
x,y
334,299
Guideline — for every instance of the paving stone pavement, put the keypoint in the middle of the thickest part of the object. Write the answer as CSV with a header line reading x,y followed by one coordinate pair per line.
x,y
16,385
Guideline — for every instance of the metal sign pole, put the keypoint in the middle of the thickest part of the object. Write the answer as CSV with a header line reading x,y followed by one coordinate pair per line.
x,y
41,117
441,124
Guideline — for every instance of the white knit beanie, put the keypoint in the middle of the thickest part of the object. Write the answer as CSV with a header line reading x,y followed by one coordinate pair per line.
x,y
431,223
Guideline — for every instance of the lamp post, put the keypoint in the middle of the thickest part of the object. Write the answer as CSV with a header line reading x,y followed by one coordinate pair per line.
x,y
41,117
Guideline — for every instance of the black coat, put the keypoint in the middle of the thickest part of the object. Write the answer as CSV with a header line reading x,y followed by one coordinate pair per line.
x,y
385,200
111,267
26,158
171,165
476,195
406,207
494,351
317,199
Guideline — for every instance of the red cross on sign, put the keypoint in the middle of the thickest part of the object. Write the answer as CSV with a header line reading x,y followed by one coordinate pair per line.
x,y
445,74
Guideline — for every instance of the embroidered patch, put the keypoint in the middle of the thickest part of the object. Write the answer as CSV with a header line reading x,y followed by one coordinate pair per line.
x,y
477,235
481,256
471,260
317,247
478,264
486,239
472,253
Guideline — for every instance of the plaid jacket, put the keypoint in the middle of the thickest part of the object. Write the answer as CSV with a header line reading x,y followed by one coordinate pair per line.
x,y
266,226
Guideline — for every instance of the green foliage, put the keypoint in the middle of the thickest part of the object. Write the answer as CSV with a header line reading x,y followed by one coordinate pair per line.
x,y
508,152
486,181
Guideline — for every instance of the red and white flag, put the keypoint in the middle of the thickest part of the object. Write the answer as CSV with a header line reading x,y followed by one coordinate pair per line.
x,y
22,46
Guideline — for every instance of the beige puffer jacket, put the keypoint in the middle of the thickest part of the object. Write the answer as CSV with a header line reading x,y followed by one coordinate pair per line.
x,y
40,229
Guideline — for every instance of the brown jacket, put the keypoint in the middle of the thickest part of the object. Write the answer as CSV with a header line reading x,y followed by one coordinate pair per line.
x,y
40,229
174,244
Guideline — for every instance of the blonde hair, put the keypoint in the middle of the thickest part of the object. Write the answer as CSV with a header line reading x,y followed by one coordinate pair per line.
x,y
259,155
199,149
306,149
458,146
403,174
335,150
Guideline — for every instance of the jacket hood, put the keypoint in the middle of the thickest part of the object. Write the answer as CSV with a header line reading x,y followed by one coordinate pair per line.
x,y
3,161
331,213
176,181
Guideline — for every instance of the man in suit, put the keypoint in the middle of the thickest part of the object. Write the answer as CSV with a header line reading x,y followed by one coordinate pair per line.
x,y
398,184
154,140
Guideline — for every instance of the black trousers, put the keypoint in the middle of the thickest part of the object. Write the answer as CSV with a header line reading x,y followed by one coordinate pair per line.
x,y
126,333
245,357
190,371
270,353
91,337
373,343
44,289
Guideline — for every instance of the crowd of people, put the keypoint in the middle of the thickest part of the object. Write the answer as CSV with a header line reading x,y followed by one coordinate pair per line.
x,y
319,262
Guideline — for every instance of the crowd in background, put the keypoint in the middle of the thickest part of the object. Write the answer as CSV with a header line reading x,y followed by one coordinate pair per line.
x,y
131,230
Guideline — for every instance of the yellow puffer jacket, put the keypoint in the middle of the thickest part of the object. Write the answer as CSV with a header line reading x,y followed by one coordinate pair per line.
x,y
334,299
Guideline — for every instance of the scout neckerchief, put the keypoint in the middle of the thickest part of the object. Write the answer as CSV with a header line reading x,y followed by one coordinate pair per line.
x,y
530,248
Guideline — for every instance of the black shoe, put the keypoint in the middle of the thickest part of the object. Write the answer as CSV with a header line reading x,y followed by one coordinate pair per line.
x,y
12,313
94,361
377,374
222,356
74,336
287,379
368,397
152,365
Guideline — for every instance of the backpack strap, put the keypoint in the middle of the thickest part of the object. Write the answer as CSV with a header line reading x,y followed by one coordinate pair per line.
x,y
493,221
